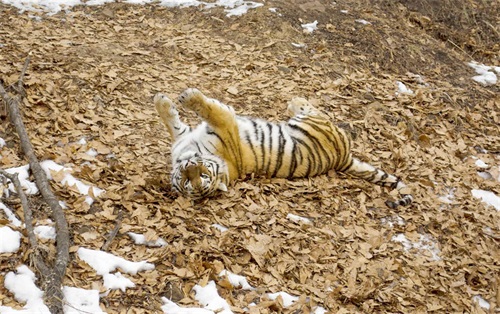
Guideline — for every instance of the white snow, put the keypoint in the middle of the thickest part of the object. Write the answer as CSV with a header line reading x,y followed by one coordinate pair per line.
x,y
210,298
2,142
141,240
236,281
221,228
486,73
69,180
425,244
170,307
81,301
390,221
402,89
288,299
23,175
487,197
10,240
481,164
320,310
298,45
10,215
104,263
310,27
22,285
117,281
82,141
45,232
448,198
361,21
298,219
92,152
481,302
231,7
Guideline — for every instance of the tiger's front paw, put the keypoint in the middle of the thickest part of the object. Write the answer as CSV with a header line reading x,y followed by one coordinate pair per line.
x,y
164,106
192,99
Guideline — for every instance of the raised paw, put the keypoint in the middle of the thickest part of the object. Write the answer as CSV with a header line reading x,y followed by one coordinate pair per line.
x,y
164,106
192,99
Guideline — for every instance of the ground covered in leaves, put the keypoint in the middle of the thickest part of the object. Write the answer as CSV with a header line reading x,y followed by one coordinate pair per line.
x,y
94,71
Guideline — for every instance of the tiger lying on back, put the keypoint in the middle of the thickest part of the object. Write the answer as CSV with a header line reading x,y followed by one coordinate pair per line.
x,y
226,147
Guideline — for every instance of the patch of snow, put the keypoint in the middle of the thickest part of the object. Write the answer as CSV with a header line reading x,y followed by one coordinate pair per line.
x,y
82,141
210,298
231,7
361,21
81,301
140,239
117,281
448,198
298,219
2,142
481,302
104,263
170,307
221,228
487,197
344,11
69,180
402,89
319,310
390,221
45,232
236,281
288,299
425,243
481,164
485,175
486,75
92,152
298,45
22,285
310,27
10,240
23,175
10,215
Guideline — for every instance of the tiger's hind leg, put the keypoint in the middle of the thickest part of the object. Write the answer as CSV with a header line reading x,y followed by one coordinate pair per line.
x,y
170,116
378,176
375,175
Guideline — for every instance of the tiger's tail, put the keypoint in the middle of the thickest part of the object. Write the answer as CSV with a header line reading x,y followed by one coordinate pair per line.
x,y
360,169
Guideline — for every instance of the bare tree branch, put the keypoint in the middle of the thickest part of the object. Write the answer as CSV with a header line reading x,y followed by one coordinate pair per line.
x,y
114,232
53,281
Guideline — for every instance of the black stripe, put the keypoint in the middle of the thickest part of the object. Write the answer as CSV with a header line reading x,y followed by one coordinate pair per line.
x,y
293,162
309,150
281,150
268,164
249,141
317,146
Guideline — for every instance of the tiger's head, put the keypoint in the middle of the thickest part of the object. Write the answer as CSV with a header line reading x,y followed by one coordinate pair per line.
x,y
199,176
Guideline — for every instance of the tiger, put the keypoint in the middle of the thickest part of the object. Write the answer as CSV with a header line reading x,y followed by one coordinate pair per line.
x,y
225,147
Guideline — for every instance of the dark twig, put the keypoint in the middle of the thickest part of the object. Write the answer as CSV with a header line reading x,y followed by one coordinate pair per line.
x,y
114,232
53,280
28,215
20,82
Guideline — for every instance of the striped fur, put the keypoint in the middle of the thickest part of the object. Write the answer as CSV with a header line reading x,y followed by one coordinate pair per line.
x,y
225,147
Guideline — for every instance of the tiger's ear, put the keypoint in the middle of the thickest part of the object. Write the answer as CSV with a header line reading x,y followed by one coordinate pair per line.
x,y
222,187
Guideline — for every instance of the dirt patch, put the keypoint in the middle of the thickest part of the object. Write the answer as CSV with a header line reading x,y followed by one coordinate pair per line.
x,y
94,71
